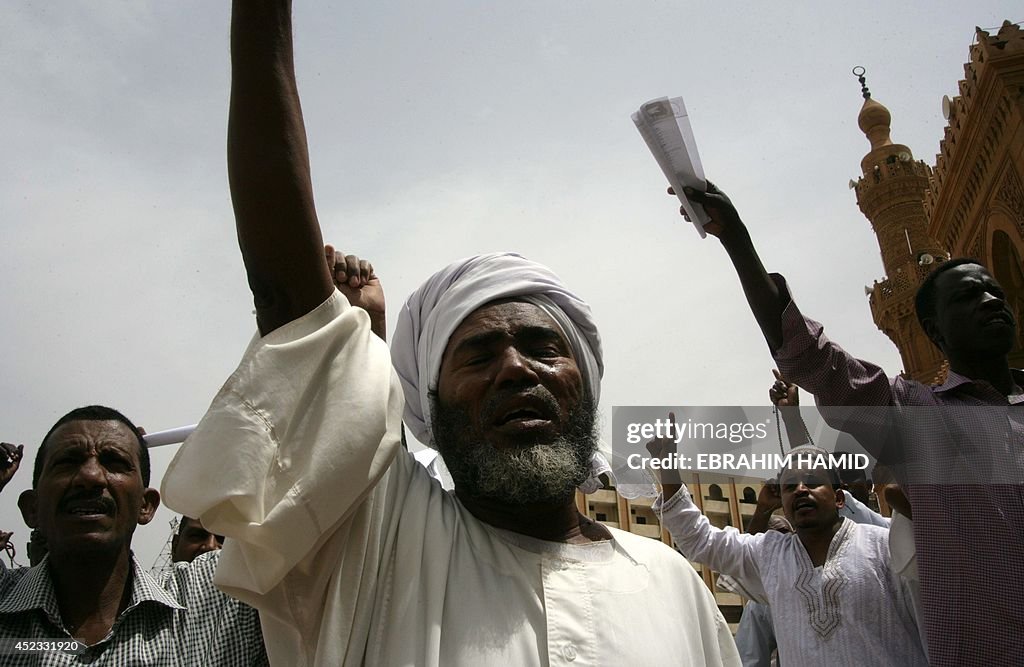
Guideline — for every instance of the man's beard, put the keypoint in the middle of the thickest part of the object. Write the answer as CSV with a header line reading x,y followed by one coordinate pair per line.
x,y
538,473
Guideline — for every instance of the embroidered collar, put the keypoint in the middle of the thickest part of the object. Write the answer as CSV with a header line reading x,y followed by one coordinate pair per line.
x,y
823,602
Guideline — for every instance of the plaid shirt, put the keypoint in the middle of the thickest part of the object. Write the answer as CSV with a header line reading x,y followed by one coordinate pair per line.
x,y
958,450
184,620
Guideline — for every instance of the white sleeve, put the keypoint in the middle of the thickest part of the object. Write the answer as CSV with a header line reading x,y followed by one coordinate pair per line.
x,y
291,448
727,551
858,512
755,636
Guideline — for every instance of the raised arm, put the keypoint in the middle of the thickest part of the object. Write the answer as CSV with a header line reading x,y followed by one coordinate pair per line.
x,y
768,500
10,461
786,397
268,168
761,291
726,551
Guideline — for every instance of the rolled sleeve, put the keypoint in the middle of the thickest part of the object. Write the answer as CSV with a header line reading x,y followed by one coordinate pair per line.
x,y
841,383
293,442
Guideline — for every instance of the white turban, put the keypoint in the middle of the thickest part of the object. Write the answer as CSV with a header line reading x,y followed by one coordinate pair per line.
x,y
433,312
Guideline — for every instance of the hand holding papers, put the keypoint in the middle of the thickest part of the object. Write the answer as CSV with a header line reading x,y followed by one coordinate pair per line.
x,y
665,127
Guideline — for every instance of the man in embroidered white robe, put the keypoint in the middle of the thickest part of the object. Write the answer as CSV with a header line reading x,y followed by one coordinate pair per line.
x,y
834,597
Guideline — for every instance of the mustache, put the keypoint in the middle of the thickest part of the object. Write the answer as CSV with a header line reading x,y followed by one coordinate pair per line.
x,y
87,498
490,408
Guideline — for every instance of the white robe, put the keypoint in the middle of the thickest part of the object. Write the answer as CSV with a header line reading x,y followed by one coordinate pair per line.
x,y
854,610
353,555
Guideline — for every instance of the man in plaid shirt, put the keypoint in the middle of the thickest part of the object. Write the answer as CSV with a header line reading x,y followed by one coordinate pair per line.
x,y
90,490
957,449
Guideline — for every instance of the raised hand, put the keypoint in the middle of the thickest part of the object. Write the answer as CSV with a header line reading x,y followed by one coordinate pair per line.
x,y
724,218
10,461
354,277
769,498
660,448
786,396
783,394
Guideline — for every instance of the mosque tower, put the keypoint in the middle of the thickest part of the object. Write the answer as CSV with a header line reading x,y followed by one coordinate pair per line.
x,y
890,193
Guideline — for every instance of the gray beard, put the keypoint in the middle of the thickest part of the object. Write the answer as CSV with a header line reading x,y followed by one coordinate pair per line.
x,y
544,473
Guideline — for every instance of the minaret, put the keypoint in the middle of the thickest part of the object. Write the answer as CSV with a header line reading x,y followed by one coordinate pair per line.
x,y
891,195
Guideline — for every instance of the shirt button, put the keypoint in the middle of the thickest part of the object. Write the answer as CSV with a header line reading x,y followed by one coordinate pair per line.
x,y
569,652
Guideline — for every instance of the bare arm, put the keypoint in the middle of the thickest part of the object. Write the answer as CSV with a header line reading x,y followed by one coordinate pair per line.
x,y
761,291
268,168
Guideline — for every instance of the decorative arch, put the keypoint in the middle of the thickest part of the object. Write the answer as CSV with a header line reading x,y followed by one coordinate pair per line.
x,y
1005,248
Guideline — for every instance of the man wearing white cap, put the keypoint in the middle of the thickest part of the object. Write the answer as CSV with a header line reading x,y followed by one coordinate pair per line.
x,y
350,551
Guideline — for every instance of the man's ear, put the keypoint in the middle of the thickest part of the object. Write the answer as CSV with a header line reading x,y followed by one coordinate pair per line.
x,y
150,503
840,499
27,504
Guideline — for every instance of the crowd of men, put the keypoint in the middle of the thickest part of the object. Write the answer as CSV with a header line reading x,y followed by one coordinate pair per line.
x,y
340,549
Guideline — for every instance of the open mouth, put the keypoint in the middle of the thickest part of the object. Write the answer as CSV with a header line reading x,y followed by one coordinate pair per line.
x,y
522,415
804,505
92,507
523,411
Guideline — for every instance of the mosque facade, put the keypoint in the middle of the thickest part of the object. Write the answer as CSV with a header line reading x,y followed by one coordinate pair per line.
x,y
969,204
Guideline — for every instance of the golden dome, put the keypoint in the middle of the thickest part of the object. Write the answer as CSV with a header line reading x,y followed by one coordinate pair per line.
x,y
874,121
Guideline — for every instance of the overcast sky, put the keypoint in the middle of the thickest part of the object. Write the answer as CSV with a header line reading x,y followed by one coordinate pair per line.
x,y
440,130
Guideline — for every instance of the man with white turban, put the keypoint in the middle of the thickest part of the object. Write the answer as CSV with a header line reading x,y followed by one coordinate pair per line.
x,y
433,313
351,552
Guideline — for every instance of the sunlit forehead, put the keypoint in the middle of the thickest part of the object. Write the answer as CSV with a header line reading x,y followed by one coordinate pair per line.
x,y
514,321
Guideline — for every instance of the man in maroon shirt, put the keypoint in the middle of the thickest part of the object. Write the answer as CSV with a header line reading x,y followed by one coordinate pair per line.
x,y
957,449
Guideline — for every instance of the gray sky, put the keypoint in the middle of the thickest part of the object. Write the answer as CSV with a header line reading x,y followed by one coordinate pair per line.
x,y
440,130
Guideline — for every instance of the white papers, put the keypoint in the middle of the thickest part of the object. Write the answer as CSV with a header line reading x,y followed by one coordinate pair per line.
x,y
169,437
665,127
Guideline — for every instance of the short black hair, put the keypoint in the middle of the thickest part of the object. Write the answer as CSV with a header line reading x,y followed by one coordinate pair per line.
x,y
924,300
93,413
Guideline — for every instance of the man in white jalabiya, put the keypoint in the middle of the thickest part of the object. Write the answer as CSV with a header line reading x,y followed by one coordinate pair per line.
x,y
351,552
834,596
